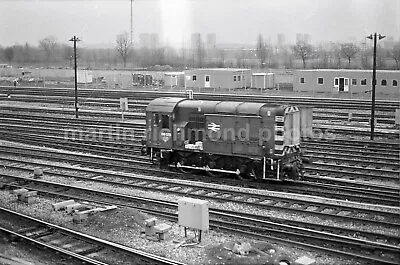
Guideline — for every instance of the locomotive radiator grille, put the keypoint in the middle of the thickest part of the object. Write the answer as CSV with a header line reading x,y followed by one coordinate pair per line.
x,y
279,137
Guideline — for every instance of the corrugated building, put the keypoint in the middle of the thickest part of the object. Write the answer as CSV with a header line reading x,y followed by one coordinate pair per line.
x,y
263,80
174,79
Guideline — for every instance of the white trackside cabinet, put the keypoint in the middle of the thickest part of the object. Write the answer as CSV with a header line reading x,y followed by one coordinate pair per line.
x,y
193,213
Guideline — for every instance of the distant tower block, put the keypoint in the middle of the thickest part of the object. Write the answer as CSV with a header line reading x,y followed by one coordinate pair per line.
x,y
211,41
195,41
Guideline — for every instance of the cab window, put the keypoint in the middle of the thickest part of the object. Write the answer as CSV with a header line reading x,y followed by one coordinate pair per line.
x,y
165,121
156,119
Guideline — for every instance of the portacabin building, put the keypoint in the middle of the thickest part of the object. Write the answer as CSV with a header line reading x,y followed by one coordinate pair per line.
x,y
226,78
336,81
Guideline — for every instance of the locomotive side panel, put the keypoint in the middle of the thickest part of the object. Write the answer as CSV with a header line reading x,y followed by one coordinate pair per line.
x,y
247,137
229,134
219,134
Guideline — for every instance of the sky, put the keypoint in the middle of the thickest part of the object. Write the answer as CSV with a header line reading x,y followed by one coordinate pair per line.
x,y
97,22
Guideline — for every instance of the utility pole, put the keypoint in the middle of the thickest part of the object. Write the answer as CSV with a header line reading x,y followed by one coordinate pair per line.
x,y
75,39
374,37
131,48
131,25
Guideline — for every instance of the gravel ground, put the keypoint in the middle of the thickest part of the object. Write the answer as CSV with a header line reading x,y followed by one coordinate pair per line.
x,y
125,226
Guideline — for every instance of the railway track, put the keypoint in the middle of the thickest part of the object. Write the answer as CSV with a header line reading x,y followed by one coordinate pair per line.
x,y
71,244
322,130
333,240
321,115
330,187
384,105
125,137
364,161
374,194
138,124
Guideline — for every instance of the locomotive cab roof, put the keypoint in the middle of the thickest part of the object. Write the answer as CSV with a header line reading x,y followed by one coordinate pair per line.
x,y
163,104
203,106
168,105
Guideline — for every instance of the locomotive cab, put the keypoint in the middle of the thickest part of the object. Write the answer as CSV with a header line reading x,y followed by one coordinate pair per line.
x,y
159,131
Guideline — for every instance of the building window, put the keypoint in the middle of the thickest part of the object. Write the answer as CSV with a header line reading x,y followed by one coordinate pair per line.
x,y
383,82
207,78
354,82
238,78
194,78
320,81
302,80
234,78
394,83
364,82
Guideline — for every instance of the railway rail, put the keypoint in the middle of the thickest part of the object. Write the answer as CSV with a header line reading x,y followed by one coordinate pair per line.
x,y
330,239
385,105
138,124
99,162
321,115
382,195
357,163
126,138
72,244
321,130
29,120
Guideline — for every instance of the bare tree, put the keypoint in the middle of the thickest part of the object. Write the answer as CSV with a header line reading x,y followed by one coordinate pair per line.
x,y
123,46
261,50
9,54
240,58
200,52
303,50
222,58
323,57
381,59
365,54
337,54
159,56
48,45
395,54
27,53
349,50
68,54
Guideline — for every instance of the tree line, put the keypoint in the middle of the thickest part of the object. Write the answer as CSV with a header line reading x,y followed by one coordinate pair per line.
x,y
49,52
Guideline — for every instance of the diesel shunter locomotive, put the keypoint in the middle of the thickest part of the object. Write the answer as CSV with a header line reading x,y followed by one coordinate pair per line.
x,y
250,140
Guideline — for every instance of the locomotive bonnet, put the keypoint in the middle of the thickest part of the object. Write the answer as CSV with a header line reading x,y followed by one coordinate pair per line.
x,y
250,140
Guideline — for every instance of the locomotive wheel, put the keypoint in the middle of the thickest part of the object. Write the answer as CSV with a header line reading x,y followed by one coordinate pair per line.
x,y
243,171
212,161
181,160
247,171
